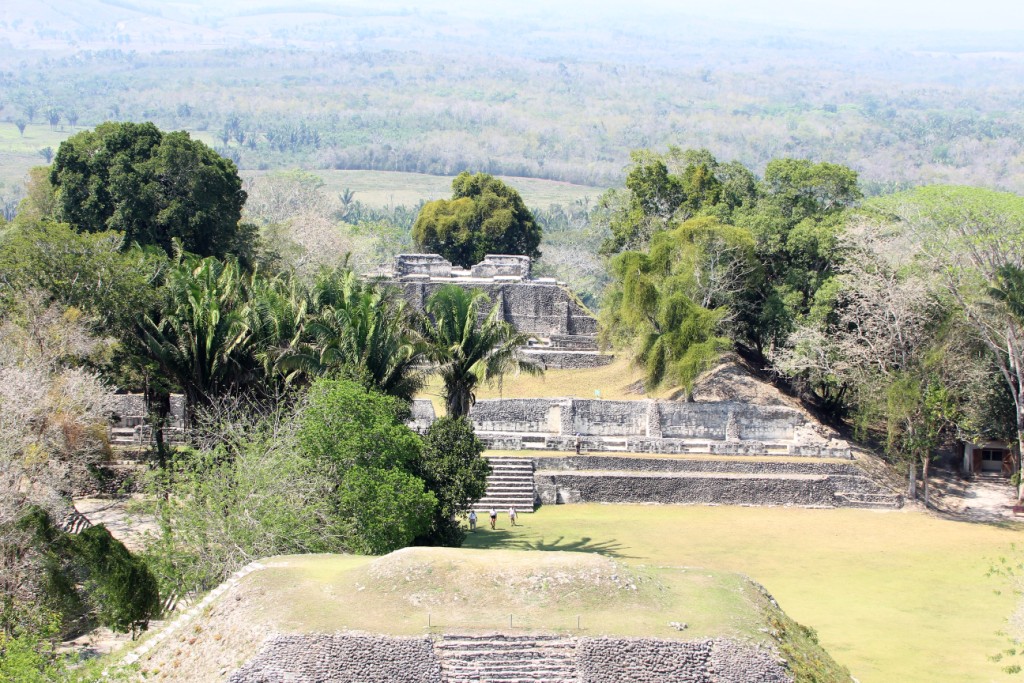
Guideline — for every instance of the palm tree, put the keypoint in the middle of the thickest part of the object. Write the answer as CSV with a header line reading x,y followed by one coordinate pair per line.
x,y
361,330
202,337
467,350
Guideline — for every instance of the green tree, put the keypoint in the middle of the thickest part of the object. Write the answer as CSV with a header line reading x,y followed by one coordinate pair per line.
x,y
94,573
91,272
973,240
484,216
468,348
663,190
671,305
253,492
154,187
359,330
383,509
453,470
359,437
796,220
201,334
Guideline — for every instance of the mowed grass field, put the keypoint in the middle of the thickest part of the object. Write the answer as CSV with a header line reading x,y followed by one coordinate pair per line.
x,y
387,188
19,153
896,596
617,381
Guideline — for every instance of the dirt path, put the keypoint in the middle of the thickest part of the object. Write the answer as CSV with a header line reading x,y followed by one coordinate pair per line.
x,y
981,499
118,516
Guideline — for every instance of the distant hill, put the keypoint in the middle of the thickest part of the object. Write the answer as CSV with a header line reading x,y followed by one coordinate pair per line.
x,y
527,90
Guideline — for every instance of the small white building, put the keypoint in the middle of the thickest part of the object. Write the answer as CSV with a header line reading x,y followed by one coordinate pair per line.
x,y
993,457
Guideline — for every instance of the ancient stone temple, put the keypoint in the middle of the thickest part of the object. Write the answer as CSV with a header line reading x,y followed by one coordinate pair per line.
x,y
565,332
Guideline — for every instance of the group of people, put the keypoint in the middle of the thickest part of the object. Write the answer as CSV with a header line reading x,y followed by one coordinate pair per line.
x,y
512,517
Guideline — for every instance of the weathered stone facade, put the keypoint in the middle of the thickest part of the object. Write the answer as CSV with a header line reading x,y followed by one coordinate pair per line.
x,y
343,658
636,660
565,331
725,427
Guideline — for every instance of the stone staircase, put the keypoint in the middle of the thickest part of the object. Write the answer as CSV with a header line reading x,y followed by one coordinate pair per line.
x,y
500,658
510,484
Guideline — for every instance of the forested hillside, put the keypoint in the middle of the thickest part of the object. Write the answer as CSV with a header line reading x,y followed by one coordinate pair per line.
x,y
421,90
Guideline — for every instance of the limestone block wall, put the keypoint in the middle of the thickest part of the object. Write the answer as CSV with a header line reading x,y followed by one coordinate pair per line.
x,y
131,410
712,420
517,415
539,308
810,491
422,414
644,419
431,265
343,659
610,418
639,465
378,659
567,360
502,265
634,660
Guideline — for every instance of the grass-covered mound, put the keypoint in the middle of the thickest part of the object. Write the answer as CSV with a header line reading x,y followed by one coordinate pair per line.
x,y
417,591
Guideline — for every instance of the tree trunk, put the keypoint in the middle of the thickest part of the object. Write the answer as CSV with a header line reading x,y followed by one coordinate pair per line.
x,y
1020,453
924,478
159,409
912,480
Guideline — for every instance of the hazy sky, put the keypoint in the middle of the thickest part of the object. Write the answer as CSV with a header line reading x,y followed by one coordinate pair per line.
x,y
997,15
886,15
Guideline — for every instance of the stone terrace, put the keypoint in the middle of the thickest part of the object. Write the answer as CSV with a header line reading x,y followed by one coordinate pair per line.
x,y
724,427
506,658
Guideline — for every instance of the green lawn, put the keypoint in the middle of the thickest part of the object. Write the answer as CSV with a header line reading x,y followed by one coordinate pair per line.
x,y
452,590
617,381
383,188
19,153
895,596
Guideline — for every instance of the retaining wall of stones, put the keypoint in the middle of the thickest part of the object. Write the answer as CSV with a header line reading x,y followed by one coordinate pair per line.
x,y
720,421
343,659
568,360
808,491
516,441
627,464
382,659
629,660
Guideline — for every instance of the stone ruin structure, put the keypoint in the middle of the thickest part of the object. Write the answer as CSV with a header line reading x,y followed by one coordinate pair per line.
x,y
460,658
131,420
736,449
649,426
564,331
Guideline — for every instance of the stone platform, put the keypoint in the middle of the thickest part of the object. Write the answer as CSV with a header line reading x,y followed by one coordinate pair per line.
x,y
720,427
559,480
508,658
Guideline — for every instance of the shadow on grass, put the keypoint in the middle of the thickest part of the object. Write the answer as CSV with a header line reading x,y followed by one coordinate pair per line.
x,y
504,539
981,519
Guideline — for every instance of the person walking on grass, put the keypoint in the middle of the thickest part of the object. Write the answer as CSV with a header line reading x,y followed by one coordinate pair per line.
x,y
472,520
512,515
494,517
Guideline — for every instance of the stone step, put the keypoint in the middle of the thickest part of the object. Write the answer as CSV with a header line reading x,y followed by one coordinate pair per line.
x,y
870,500
506,659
